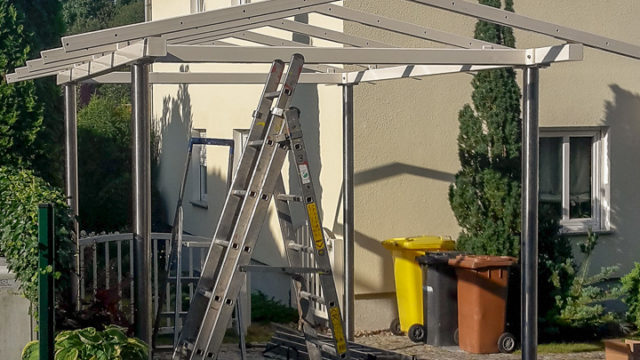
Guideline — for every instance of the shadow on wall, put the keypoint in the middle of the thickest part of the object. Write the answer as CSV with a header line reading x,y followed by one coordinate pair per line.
x,y
622,115
174,126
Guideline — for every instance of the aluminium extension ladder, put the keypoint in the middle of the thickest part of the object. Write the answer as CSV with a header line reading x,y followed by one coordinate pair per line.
x,y
273,133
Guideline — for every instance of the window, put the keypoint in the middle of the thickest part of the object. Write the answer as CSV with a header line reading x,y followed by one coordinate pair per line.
x,y
199,169
574,177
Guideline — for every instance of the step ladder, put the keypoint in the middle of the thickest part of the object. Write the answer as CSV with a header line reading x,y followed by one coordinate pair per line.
x,y
274,132
173,259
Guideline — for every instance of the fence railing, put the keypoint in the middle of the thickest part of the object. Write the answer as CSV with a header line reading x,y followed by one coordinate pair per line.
x,y
107,268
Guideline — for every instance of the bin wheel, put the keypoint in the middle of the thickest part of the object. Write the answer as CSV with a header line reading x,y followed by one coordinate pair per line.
x,y
456,337
395,327
416,333
507,343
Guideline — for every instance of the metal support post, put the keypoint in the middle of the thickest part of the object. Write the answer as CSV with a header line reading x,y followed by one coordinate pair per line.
x,y
71,180
46,304
529,246
348,204
141,175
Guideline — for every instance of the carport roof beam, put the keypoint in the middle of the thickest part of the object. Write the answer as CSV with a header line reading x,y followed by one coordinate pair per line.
x,y
329,55
181,23
508,18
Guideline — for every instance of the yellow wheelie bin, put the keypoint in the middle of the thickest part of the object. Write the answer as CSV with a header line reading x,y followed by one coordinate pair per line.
x,y
408,277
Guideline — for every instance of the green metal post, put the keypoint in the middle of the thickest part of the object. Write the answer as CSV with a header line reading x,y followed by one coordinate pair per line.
x,y
46,251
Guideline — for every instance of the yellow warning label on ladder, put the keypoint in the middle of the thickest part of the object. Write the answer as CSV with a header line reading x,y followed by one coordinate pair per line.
x,y
316,228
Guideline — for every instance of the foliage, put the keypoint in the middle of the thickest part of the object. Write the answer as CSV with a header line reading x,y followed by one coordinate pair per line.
x,y
631,289
104,136
105,165
89,15
42,20
20,194
580,306
265,310
485,196
88,343
104,310
20,113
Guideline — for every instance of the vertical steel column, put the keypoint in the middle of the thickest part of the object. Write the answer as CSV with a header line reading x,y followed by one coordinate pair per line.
x,y
347,210
71,179
529,242
141,175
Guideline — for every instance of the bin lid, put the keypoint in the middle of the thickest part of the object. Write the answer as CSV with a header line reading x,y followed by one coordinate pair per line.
x,y
422,242
436,258
482,261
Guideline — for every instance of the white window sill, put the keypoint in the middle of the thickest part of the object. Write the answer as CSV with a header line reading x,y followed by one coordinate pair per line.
x,y
583,232
200,204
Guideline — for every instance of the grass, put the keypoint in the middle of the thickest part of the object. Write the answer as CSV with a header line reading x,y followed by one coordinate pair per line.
x,y
566,348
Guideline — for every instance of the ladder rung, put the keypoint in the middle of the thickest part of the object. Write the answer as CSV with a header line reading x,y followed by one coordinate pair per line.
x,y
184,278
223,243
240,193
283,269
289,197
205,293
255,142
310,296
272,95
297,247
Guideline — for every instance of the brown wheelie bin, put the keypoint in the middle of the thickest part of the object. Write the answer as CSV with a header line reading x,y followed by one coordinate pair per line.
x,y
482,303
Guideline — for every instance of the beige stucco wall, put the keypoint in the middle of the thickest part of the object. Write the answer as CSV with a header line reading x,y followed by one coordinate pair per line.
x,y
405,136
221,108
402,176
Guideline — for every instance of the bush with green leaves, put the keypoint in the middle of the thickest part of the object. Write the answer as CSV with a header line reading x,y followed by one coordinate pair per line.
x,y
88,343
631,297
20,194
580,305
266,310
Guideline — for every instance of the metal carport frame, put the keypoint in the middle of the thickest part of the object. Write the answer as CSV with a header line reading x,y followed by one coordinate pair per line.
x,y
97,57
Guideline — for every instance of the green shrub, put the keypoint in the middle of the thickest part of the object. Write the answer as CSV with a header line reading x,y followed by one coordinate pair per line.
x,y
265,310
20,194
631,289
581,305
110,344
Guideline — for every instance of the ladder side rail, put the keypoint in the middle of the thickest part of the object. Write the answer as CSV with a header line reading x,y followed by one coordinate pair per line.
x,y
315,224
227,287
170,250
210,268
294,259
249,220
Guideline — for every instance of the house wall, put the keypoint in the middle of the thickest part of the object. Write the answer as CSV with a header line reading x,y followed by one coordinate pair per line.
x,y
403,175
221,108
405,137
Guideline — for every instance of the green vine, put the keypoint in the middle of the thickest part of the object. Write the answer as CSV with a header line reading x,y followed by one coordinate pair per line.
x,y
20,194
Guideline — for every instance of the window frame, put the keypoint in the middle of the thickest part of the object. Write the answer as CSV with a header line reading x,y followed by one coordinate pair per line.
x,y
599,220
200,172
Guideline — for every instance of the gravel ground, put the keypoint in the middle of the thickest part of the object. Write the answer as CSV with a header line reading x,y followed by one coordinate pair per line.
x,y
402,344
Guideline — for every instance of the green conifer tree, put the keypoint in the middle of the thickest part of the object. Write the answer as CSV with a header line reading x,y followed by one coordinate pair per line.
x,y
485,196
